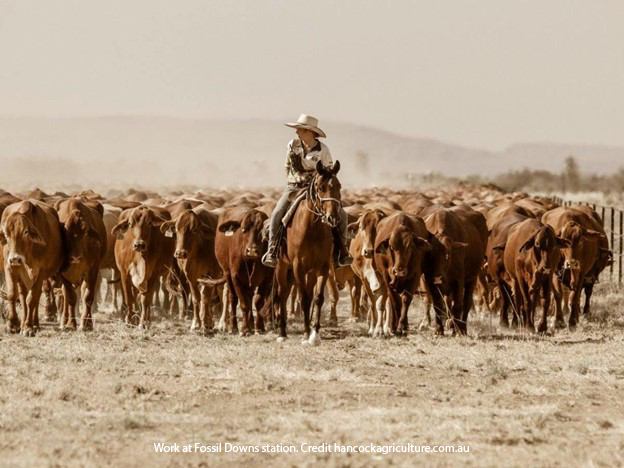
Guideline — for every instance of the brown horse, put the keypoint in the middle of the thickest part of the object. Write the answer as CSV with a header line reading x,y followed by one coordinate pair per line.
x,y
309,249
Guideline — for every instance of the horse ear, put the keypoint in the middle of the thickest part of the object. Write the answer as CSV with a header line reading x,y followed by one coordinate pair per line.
x,y
320,168
335,167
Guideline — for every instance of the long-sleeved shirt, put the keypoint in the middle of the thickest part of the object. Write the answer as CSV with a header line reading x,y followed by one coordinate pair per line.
x,y
309,158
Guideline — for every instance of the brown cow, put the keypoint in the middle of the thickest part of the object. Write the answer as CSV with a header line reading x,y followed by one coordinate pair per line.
x,y
531,255
362,249
143,254
400,248
33,252
578,259
239,246
85,243
496,263
194,231
463,232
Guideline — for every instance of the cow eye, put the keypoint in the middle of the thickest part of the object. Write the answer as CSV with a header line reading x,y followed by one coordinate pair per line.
x,y
27,232
244,229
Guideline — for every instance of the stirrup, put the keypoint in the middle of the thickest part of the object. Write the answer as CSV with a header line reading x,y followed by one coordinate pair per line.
x,y
269,259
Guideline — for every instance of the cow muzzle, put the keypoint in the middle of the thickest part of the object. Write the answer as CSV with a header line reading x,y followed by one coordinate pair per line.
x,y
367,253
74,259
571,265
399,272
139,246
181,254
252,252
16,260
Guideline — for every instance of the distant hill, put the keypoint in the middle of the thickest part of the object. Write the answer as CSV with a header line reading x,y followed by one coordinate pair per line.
x,y
159,151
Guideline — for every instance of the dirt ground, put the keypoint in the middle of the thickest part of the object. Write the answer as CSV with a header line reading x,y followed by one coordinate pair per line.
x,y
106,397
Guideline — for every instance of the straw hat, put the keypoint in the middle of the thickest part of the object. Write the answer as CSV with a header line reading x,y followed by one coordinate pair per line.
x,y
308,122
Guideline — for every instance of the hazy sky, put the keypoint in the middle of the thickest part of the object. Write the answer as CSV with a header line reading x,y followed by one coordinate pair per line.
x,y
483,73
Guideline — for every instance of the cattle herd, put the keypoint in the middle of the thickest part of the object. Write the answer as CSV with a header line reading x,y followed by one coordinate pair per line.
x,y
456,248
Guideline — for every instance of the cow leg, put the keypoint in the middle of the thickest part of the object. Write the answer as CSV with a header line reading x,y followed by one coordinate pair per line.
x,y
469,288
69,306
128,295
557,295
371,316
245,295
86,321
519,304
395,310
233,300
225,310
575,306
542,326
589,289
355,288
195,294
205,300
439,307
13,323
146,302
457,297
507,301
406,300
50,306
32,305
334,296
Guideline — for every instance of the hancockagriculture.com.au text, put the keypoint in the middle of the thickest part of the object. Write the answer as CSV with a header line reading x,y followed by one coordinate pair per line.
x,y
308,448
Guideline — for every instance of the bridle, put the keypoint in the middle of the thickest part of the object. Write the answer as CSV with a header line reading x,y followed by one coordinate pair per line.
x,y
316,200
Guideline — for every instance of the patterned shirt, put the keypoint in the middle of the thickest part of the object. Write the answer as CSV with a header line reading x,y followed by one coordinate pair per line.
x,y
309,158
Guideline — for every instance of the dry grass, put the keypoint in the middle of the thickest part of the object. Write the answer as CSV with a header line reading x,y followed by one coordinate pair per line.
x,y
106,397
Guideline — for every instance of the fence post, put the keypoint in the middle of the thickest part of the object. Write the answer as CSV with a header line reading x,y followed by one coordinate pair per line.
x,y
612,237
620,256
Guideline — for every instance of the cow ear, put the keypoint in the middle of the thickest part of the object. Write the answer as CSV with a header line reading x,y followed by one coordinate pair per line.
x,y
207,229
593,234
229,226
119,229
382,246
335,168
167,227
458,245
561,242
422,243
157,221
353,229
499,247
25,207
34,236
57,204
527,245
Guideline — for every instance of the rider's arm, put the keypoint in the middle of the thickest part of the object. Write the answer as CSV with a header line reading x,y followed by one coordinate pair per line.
x,y
326,158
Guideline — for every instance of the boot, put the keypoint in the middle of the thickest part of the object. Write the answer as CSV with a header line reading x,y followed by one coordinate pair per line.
x,y
343,258
269,259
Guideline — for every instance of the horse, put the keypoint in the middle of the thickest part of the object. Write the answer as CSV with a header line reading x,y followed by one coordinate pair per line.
x,y
308,250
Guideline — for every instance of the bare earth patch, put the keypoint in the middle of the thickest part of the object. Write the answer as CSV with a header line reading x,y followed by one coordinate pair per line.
x,y
105,398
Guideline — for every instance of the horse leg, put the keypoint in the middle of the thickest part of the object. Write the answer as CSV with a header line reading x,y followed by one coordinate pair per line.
x,y
333,294
315,339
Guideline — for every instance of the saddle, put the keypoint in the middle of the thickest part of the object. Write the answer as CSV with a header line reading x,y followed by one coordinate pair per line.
x,y
298,198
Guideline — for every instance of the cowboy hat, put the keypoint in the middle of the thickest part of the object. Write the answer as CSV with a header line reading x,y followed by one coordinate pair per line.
x,y
309,123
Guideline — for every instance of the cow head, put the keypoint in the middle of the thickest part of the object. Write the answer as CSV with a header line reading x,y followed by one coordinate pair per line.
x,y
250,229
366,229
405,250
20,235
578,240
542,251
450,252
327,188
141,224
77,232
189,230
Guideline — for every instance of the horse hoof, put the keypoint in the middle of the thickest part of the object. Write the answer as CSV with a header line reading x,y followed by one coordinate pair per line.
x,y
280,339
314,339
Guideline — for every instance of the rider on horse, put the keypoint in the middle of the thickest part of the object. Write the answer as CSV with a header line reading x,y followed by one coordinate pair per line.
x,y
302,156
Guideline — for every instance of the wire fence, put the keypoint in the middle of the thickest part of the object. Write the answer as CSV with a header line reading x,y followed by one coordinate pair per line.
x,y
613,222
